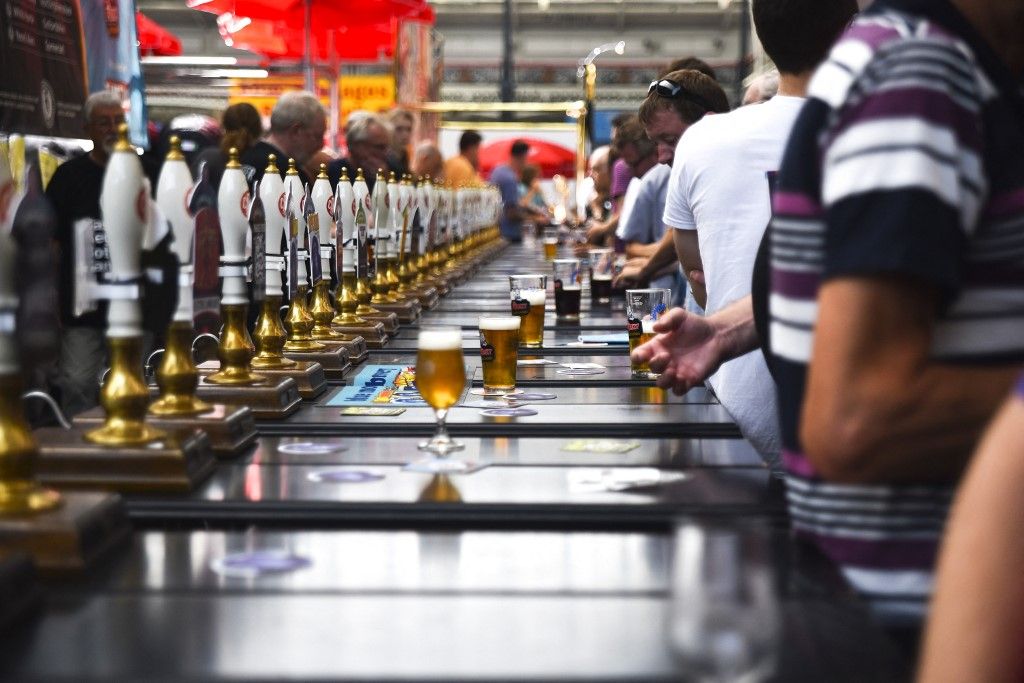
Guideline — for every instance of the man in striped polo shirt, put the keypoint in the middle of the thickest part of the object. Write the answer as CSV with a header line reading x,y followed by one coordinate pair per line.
x,y
897,265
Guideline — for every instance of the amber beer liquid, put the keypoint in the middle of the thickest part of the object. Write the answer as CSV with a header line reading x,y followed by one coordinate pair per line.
x,y
440,371
499,343
550,248
530,307
567,300
640,332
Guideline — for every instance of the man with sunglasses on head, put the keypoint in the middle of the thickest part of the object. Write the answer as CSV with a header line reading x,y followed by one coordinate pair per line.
x,y
674,102
719,205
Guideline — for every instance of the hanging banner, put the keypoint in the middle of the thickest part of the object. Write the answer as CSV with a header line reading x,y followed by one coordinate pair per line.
x,y
56,52
419,70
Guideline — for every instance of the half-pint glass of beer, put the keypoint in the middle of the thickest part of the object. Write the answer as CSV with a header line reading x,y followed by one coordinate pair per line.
x,y
440,379
529,292
643,307
602,261
550,242
567,288
499,352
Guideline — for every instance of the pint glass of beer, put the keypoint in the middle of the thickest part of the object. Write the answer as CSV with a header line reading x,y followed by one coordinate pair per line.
x,y
529,293
440,378
567,288
499,344
550,243
602,261
643,307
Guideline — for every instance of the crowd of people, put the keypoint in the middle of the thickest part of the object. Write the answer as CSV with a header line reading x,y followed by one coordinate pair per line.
x,y
846,253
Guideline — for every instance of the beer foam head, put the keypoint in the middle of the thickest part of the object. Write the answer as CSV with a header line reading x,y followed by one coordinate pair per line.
x,y
534,296
602,276
505,322
647,326
440,339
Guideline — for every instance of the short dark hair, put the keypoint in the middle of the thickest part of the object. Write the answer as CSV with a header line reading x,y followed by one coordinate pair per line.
x,y
797,34
519,148
621,118
469,138
631,132
705,96
691,63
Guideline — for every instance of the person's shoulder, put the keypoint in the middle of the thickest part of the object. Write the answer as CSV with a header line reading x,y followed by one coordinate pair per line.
x,y
884,46
656,179
75,167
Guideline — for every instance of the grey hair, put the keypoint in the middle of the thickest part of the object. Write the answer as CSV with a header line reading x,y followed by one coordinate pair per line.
x,y
295,107
101,98
399,113
358,130
599,154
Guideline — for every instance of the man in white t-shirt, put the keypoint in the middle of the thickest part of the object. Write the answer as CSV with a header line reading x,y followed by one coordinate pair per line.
x,y
719,203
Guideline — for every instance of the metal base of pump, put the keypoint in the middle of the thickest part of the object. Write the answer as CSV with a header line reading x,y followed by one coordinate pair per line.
x,y
408,310
387,319
333,360
175,464
275,400
73,537
309,376
232,429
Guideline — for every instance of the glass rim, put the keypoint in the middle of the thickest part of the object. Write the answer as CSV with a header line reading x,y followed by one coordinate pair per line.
x,y
648,290
525,276
565,260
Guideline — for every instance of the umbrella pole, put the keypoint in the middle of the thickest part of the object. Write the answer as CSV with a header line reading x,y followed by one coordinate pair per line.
x,y
307,52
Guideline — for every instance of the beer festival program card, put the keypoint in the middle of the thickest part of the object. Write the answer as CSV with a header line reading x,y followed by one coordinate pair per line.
x,y
600,446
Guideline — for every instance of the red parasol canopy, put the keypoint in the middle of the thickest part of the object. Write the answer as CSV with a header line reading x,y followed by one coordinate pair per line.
x,y
154,39
340,29
551,157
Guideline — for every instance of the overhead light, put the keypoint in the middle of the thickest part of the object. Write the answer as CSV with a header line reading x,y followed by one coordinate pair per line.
x,y
234,73
192,61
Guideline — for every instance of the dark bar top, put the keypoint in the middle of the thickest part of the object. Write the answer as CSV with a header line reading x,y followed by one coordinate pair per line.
x,y
465,606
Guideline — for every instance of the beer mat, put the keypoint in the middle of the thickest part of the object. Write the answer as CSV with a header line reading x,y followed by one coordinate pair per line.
x,y
344,476
610,338
582,366
580,371
258,562
600,446
426,466
379,385
534,396
494,394
509,412
536,361
311,447
590,479
371,411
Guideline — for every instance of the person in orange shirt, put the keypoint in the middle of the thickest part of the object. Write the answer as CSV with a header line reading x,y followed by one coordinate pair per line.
x,y
464,169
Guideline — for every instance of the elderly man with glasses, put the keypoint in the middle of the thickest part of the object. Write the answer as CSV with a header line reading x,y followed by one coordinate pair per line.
x,y
297,127
368,138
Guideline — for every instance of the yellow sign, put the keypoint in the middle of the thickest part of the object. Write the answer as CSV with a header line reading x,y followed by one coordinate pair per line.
x,y
371,93
262,93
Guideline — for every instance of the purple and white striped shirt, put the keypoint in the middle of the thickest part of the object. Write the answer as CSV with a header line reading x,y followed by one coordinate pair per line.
x,y
908,159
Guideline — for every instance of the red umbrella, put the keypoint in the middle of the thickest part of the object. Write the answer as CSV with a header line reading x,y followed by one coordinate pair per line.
x,y
154,39
286,40
551,157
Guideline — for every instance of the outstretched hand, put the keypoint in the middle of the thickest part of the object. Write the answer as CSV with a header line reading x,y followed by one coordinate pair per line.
x,y
686,351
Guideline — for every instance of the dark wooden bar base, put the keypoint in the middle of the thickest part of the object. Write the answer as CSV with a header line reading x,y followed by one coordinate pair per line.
x,y
272,401
175,465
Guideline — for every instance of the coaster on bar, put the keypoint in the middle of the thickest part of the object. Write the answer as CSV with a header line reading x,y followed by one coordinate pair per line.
x,y
252,564
494,394
509,412
311,447
344,476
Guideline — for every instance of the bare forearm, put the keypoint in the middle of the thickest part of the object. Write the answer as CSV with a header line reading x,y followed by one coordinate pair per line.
x,y
975,622
634,249
734,328
663,255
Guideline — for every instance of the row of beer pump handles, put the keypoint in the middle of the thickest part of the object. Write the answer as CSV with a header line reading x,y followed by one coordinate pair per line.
x,y
324,227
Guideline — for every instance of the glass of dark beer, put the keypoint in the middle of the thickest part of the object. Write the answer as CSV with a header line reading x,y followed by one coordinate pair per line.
x,y
567,288
602,262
